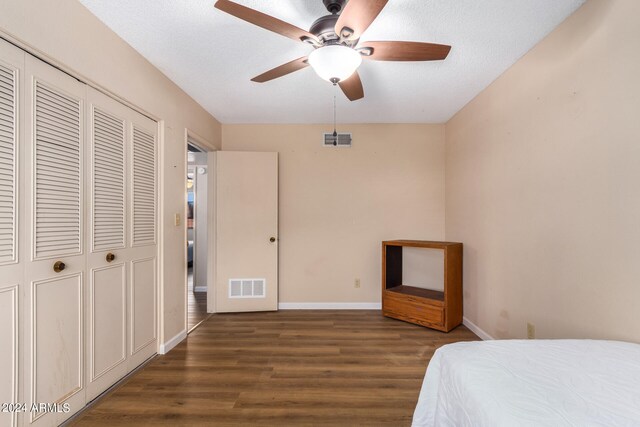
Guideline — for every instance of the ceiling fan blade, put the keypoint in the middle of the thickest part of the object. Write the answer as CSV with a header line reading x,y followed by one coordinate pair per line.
x,y
265,21
404,51
357,16
283,70
352,87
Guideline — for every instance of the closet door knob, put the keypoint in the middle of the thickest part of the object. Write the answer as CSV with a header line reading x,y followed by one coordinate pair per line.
x,y
58,266
110,257
273,239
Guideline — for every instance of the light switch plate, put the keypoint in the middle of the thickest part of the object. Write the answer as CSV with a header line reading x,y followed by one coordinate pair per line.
x,y
177,219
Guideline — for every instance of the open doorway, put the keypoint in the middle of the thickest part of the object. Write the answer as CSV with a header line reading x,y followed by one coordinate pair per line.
x,y
197,234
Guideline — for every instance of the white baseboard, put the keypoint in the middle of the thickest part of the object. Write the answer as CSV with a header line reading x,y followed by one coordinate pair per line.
x,y
330,306
476,329
166,347
200,289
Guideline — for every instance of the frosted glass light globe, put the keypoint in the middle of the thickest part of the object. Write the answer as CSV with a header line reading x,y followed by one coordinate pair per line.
x,y
335,62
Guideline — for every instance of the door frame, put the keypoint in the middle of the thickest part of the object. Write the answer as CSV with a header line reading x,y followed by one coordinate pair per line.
x,y
206,147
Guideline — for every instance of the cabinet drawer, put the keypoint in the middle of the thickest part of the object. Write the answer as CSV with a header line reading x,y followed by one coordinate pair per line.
x,y
411,309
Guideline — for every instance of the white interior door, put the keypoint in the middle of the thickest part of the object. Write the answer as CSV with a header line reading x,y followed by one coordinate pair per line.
x,y
107,255
246,231
54,271
11,270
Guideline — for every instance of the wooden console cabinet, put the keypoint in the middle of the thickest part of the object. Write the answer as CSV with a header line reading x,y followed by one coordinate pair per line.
x,y
441,310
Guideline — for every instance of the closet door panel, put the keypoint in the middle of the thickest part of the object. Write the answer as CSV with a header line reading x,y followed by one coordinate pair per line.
x,y
109,346
107,329
9,350
56,365
143,266
55,271
107,350
143,295
11,270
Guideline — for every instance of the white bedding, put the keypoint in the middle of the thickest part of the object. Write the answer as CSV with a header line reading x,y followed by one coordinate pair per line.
x,y
532,383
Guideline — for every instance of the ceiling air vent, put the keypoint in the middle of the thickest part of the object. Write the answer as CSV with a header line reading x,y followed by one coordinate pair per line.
x,y
342,140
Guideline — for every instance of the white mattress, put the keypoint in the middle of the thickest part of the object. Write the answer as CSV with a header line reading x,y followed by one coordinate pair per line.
x,y
532,383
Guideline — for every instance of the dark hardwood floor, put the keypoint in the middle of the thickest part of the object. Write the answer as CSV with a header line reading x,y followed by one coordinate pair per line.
x,y
328,368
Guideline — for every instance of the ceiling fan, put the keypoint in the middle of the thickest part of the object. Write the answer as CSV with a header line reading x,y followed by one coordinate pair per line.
x,y
335,37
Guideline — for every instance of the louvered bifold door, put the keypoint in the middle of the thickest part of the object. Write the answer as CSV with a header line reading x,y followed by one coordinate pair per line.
x,y
11,276
54,303
108,256
144,229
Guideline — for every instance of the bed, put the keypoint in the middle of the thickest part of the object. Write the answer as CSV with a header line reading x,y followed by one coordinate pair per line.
x,y
532,383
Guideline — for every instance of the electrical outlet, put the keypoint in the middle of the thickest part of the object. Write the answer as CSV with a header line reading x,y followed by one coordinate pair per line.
x,y
531,331
357,283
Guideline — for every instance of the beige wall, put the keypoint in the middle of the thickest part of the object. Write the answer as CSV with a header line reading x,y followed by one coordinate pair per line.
x,y
543,178
71,36
338,204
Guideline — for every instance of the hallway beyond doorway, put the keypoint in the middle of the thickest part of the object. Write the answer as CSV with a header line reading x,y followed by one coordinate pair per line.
x,y
196,303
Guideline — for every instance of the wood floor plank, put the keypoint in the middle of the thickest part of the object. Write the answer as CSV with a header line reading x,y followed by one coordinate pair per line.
x,y
299,368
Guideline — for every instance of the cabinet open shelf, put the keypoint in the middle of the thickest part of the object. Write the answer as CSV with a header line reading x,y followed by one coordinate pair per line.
x,y
441,310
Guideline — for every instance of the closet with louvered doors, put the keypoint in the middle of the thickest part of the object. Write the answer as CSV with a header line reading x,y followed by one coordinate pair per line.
x,y
87,269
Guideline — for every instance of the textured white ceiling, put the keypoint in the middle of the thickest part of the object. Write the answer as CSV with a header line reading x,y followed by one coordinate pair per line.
x,y
213,56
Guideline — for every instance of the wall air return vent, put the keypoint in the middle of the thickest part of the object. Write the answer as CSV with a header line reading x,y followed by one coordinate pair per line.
x,y
342,140
247,288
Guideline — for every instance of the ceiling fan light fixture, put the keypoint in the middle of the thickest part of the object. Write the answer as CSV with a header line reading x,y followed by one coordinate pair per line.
x,y
335,63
